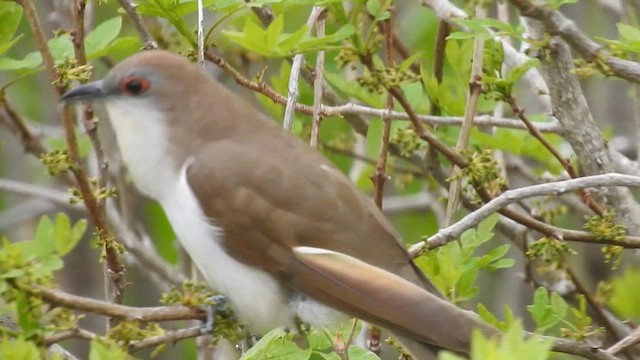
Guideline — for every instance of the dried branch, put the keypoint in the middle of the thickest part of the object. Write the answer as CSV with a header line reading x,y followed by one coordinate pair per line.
x,y
454,231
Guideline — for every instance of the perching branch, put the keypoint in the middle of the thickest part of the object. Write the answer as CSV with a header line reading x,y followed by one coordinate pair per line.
x,y
510,196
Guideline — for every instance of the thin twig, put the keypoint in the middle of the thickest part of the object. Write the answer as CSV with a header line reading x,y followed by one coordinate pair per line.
x,y
380,174
77,333
166,338
566,163
553,188
475,89
630,340
438,59
200,34
293,92
317,84
141,28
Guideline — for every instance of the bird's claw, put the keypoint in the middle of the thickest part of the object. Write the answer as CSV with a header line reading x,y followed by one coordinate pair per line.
x,y
216,304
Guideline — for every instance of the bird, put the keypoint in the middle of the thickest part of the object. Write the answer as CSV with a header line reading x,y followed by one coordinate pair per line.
x,y
268,220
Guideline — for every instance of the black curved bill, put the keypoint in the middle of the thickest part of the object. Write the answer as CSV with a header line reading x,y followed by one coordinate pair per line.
x,y
89,91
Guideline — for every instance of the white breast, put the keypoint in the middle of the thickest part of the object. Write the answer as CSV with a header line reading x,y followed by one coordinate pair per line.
x,y
142,139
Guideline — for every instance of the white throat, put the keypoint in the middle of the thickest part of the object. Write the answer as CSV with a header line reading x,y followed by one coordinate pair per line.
x,y
143,141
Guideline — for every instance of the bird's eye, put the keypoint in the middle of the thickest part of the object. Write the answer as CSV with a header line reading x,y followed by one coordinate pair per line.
x,y
134,86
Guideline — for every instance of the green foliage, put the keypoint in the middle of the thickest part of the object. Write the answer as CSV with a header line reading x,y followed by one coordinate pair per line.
x,y
278,344
556,4
18,349
454,268
603,227
193,293
26,265
105,349
511,346
56,162
489,318
520,143
624,294
550,250
272,42
547,311
99,42
10,16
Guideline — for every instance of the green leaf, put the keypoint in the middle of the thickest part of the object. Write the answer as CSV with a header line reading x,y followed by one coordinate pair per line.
x,y
518,72
66,236
189,7
556,4
547,311
102,349
30,61
259,350
102,35
624,294
273,32
18,349
61,47
377,9
44,237
628,32
10,16
314,43
289,41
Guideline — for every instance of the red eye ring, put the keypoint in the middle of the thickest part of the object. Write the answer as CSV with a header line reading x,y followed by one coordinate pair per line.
x,y
134,85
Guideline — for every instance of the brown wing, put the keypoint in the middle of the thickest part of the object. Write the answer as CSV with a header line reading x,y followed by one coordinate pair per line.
x,y
291,197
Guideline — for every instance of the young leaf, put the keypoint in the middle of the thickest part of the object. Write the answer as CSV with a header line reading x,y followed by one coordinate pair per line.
x,y
102,35
30,61
102,349
547,311
10,16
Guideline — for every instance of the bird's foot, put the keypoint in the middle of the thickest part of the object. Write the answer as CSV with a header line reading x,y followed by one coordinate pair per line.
x,y
216,305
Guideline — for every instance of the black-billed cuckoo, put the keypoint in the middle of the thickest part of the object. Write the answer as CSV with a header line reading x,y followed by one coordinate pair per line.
x,y
268,220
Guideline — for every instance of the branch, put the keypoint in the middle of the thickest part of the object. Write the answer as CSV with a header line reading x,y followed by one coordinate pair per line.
x,y
581,131
630,340
581,349
454,231
168,337
122,312
475,89
317,85
141,28
292,98
556,23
